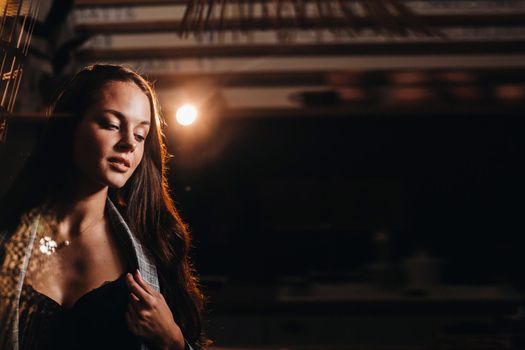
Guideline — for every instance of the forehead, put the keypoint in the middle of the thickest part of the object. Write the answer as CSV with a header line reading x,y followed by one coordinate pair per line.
x,y
125,98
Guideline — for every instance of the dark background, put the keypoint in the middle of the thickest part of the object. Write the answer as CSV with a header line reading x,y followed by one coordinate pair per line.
x,y
288,197
382,211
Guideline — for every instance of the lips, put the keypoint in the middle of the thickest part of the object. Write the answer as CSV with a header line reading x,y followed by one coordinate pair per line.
x,y
120,162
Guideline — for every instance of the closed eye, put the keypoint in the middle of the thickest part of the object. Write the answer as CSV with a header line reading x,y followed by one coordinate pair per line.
x,y
110,126
140,138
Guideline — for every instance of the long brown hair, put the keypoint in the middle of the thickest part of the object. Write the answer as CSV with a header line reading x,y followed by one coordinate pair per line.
x,y
145,199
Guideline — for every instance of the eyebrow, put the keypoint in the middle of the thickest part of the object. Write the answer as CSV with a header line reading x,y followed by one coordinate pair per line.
x,y
121,116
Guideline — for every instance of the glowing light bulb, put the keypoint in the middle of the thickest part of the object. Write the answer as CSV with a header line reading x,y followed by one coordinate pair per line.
x,y
186,115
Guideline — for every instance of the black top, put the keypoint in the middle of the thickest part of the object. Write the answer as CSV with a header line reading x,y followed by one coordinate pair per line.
x,y
95,321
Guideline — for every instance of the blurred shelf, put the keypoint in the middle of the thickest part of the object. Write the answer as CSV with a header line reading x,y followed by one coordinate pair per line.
x,y
351,298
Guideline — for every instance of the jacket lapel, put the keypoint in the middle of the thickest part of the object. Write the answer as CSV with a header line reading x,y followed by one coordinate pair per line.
x,y
140,257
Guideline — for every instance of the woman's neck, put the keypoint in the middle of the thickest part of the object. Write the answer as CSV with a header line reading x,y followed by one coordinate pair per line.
x,y
82,208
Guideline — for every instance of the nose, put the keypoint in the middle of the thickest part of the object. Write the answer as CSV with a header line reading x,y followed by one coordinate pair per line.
x,y
127,142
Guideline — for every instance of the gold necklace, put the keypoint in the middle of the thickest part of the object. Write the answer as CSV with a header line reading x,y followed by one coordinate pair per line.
x,y
49,246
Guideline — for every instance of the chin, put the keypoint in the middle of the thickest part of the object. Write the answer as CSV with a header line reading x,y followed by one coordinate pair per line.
x,y
116,181
117,184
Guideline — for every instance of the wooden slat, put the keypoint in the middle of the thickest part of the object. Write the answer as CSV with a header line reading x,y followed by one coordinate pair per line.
x,y
159,26
357,78
259,79
99,3
294,50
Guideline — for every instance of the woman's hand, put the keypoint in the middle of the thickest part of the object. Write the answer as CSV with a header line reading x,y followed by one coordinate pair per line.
x,y
149,316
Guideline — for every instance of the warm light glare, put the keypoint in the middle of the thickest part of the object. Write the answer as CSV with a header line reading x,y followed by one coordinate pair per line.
x,y
186,114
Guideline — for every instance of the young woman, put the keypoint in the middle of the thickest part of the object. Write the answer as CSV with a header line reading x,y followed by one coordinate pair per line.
x,y
95,255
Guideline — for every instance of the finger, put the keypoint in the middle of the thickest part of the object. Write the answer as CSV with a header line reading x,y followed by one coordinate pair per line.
x,y
134,314
136,289
144,284
136,305
134,297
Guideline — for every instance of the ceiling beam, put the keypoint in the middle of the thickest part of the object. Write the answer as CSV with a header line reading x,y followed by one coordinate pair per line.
x,y
358,78
99,3
441,47
236,79
159,26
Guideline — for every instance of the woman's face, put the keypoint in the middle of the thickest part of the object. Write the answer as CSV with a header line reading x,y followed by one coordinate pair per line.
x,y
109,141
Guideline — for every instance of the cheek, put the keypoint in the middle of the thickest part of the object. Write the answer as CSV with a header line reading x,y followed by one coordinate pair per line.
x,y
138,156
89,148
94,148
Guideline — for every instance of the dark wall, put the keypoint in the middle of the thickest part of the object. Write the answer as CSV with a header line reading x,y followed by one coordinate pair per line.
x,y
307,196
